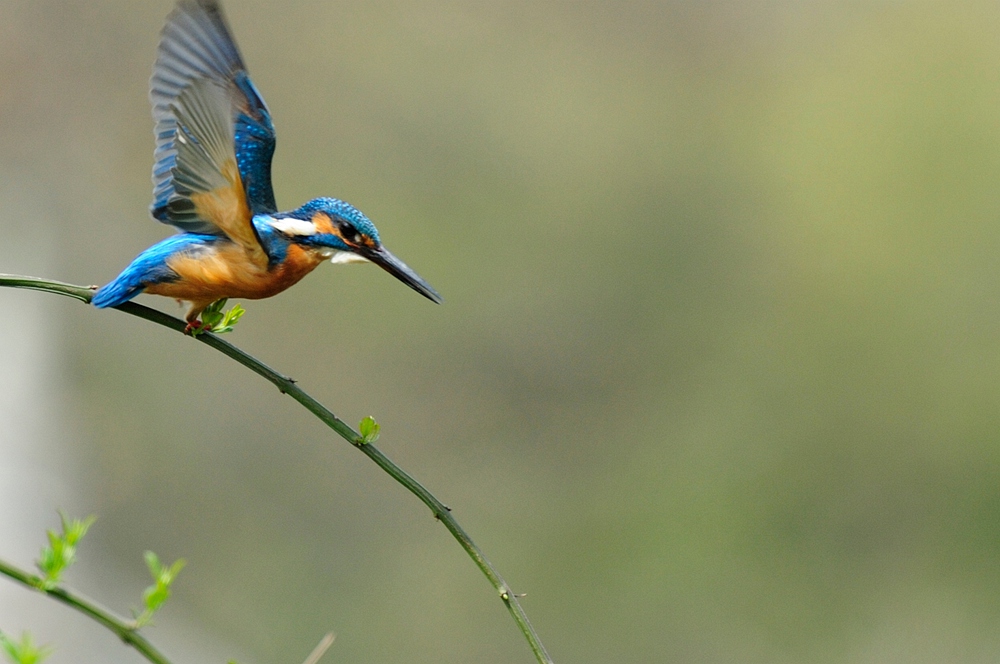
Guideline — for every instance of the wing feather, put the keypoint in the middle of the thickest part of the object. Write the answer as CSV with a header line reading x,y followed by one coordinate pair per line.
x,y
214,135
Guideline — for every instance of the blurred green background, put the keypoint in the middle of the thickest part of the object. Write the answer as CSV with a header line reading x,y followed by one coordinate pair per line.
x,y
716,375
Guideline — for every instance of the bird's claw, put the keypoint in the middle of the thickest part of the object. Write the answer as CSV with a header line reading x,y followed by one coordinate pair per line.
x,y
196,327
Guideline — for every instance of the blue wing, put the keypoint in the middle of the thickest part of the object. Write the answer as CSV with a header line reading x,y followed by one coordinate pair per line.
x,y
214,135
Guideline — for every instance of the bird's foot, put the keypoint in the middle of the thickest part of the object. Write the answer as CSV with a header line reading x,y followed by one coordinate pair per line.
x,y
218,320
196,327
215,319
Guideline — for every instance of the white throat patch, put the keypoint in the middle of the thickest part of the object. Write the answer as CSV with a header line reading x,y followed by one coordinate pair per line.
x,y
343,257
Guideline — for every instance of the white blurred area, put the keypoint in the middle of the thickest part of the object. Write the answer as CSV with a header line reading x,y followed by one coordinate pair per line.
x,y
36,433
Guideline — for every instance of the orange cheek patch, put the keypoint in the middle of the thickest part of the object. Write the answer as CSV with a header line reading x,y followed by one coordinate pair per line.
x,y
324,224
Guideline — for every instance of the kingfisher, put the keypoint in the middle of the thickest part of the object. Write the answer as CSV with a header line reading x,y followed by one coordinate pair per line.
x,y
212,181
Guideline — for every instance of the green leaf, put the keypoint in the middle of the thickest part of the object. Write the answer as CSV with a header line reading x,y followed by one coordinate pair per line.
x,y
153,563
74,530
156,595
210,317
229,320
60,553
369,429
23,651
215,320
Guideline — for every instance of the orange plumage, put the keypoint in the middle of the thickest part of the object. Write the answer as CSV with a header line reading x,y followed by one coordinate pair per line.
x,y
231,272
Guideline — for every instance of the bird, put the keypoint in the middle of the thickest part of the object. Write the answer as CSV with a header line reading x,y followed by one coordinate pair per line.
x,y
212,182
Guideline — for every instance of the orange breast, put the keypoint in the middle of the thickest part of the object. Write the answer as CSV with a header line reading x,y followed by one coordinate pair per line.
x,y
230,272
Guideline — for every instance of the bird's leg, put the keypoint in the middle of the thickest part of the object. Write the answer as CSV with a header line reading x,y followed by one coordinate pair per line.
x,y
195,323
211,317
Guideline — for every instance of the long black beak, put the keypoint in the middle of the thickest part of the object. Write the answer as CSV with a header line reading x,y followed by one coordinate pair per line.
x,y
397,268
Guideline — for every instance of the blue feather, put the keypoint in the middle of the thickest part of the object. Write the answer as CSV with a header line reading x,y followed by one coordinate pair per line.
x,y
254,136
199,68
211,121
337,209
150,267
274,243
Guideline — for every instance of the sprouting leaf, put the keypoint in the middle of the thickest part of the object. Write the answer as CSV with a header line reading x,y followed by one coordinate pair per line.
x,y
60,553
23,651
210,317
369,429
156,595
217,321
229,320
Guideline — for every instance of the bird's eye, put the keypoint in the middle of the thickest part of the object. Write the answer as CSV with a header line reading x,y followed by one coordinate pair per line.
x,y
350,233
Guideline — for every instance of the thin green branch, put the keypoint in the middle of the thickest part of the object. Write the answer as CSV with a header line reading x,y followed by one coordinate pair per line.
x,y
287,386
125,629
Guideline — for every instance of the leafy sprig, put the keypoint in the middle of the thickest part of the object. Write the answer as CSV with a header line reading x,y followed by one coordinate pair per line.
x,y
57,556
217,321
157,594
60,553
24,651
288,386
368,428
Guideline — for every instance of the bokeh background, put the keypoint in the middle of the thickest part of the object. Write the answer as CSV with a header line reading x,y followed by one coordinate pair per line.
x,y
717,378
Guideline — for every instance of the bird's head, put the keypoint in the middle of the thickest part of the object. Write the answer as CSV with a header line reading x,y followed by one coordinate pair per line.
x,y
347,235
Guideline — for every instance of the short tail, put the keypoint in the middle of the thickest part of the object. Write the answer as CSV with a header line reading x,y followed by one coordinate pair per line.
x,y
150,267
117,292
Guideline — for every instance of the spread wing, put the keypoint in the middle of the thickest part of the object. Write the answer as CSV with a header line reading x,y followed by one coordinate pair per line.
x,y
214,136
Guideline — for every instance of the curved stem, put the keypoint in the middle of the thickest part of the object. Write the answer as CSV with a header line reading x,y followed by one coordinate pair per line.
x,y
89,607
287,386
